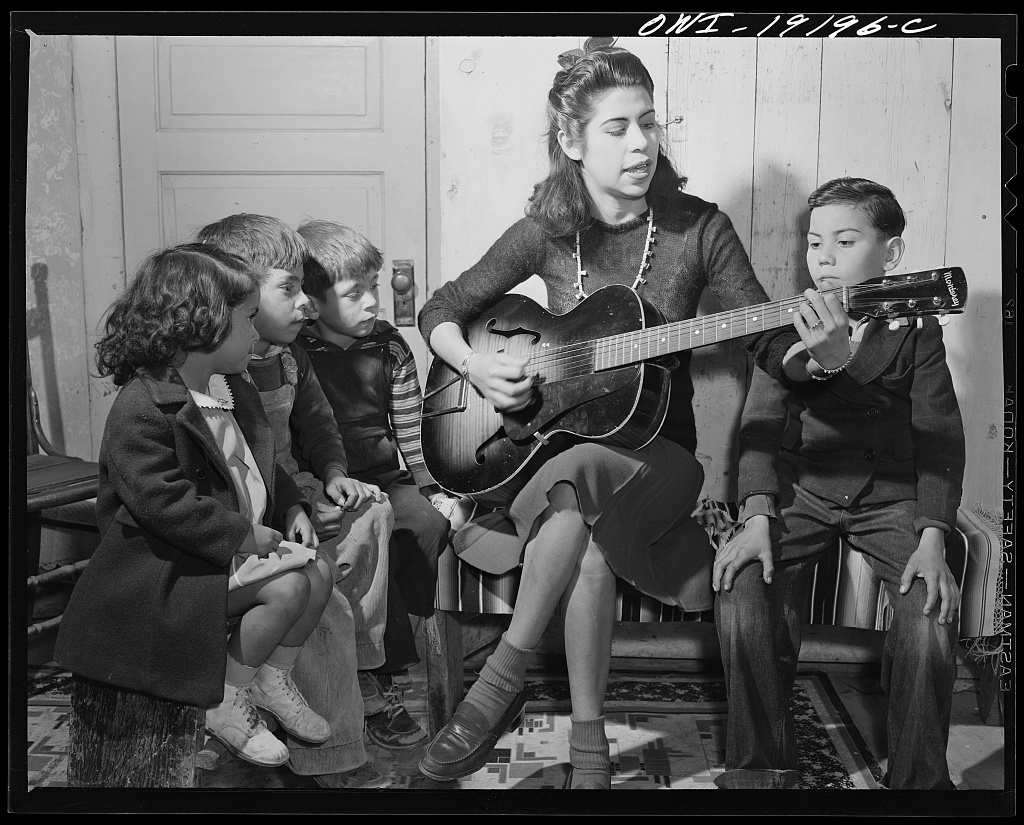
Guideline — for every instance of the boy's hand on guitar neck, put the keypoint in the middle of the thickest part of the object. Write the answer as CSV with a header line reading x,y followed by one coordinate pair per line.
x,y
502,379
824,328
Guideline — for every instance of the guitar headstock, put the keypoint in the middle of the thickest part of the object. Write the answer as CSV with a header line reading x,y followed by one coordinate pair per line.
x,y
930,292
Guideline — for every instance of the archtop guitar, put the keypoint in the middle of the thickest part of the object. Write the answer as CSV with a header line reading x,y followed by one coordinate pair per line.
x,y
597,374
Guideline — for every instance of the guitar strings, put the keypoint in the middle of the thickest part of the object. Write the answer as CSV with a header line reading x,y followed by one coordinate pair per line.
x,y
571,360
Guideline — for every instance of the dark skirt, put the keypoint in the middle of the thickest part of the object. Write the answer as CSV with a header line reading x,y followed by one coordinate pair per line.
x,y
639,505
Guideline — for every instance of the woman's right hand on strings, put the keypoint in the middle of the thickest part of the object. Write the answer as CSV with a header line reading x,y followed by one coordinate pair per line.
x,y
502,379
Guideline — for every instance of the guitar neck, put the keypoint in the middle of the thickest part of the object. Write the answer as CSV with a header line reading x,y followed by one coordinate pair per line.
x,y
934,292
641,345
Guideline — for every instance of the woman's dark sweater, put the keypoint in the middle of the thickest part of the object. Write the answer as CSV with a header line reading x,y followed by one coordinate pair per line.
x,y
695,246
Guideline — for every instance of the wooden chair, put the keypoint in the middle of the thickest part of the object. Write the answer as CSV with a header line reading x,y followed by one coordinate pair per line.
x,y
54,480
847,604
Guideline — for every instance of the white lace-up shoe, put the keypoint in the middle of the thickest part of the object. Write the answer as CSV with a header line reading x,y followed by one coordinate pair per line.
x,y
236,723
275,692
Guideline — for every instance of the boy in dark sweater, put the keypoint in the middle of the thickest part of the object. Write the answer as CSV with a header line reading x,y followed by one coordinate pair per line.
x,y
368,374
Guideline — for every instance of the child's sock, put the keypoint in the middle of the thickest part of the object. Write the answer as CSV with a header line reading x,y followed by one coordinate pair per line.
x,y
238,675
589,752
502,677
283,658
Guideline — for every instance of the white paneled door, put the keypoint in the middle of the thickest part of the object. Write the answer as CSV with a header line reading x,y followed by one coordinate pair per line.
x,y
294,127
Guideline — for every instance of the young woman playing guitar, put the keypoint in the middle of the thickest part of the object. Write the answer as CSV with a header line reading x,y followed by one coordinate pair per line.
x,y
610,211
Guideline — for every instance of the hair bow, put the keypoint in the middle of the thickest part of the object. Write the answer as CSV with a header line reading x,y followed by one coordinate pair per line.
x,y
592,44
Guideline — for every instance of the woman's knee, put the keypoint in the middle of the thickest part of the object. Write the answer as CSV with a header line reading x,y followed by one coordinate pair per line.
x,y
563,498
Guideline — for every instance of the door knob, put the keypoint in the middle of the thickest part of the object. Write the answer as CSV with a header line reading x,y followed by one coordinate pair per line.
x,y
403,285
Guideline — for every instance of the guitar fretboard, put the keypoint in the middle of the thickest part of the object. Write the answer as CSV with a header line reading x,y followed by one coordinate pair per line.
x,y
641,345
612,351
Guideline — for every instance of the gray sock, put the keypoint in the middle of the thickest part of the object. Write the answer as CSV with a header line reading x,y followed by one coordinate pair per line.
x,y
589,752
502,677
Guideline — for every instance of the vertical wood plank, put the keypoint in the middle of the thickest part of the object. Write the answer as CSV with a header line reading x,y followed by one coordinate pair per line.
x,y
785,161
492,128
712,88
442,635
53,253
99,172
974,241
885,116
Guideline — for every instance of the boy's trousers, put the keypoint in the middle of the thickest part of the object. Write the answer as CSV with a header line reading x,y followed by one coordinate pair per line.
x,y
759,630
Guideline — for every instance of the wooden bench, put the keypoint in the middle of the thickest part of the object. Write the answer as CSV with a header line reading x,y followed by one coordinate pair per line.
x,y
846,594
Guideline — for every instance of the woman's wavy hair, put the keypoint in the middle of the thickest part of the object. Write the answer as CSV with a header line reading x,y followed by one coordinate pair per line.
x,y
560,203
179,301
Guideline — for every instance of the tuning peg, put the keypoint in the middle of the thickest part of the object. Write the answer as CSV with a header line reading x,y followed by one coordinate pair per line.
x,y
943,320
894,325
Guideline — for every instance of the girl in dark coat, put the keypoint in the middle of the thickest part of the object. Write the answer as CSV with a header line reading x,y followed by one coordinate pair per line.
x,y
189,491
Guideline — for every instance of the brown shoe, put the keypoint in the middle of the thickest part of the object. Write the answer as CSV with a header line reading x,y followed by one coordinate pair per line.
x,y
365,777
393,727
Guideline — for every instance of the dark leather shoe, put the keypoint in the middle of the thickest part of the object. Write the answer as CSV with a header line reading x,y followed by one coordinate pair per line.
x,y
465,743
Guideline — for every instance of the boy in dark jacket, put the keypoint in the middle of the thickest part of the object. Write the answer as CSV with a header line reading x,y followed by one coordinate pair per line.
x,y
870,450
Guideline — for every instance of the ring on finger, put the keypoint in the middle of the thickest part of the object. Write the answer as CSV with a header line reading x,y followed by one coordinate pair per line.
x,y
818,325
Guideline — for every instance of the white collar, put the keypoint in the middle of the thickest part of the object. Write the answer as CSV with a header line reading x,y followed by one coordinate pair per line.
x,y
218,395
275,349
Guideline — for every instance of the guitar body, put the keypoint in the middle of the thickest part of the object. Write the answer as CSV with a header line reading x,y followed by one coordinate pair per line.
x,y
473,450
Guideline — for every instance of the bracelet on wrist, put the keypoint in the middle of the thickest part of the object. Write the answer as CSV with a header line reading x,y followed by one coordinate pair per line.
x,y
464,367
829,373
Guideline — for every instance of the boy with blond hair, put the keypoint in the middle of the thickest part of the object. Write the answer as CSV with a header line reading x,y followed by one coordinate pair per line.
x,y
353,520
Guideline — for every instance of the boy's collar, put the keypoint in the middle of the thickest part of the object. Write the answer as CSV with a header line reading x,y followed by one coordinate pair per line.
x,y
273,352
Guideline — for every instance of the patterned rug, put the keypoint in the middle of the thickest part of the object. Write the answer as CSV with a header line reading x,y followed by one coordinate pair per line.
x,y
665,732
668,733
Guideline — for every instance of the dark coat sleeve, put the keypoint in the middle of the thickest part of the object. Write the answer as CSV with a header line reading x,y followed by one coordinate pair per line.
x,y
762,427
937,431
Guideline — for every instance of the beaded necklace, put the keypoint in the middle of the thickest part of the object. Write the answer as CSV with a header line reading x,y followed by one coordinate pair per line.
x,y
645,261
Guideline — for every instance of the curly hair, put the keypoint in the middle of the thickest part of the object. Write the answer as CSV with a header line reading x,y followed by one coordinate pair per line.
x,y
561,203
877,202
179,301
268,243
335,253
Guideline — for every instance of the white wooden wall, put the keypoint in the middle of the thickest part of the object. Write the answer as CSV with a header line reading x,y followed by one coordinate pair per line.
x,y
757,124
